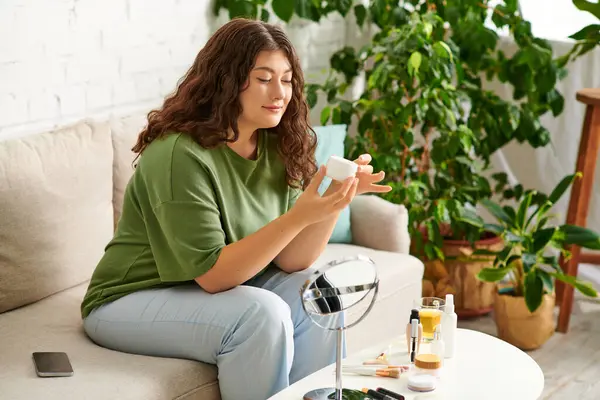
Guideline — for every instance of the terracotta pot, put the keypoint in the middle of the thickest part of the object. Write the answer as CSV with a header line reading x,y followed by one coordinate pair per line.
x,y
518,326
472,297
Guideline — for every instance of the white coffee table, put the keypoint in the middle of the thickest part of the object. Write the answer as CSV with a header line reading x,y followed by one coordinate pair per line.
x,y
484,368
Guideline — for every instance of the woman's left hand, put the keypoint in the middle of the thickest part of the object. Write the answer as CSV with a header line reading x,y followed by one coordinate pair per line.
x,y
367,180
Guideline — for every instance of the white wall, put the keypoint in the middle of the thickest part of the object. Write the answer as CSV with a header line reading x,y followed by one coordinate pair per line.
x,y
62,60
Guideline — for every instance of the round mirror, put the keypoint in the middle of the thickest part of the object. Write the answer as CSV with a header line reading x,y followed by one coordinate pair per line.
x,y
338,296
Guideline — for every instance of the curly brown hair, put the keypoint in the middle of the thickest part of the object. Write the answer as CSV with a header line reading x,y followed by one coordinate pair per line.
x,y
206,105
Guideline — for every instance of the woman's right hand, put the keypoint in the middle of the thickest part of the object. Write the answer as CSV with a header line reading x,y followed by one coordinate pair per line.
x,y
311,207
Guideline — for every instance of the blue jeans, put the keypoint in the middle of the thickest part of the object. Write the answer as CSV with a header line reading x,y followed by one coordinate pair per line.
x,y
257,334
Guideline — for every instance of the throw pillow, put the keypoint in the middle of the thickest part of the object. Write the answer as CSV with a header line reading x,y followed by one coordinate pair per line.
x,y
331,142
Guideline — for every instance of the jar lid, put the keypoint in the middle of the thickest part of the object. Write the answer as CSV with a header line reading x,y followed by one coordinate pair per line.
x,y
421,383
428,361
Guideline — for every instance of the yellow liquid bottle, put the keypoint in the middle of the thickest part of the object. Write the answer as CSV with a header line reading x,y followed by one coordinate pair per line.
x,y
430,318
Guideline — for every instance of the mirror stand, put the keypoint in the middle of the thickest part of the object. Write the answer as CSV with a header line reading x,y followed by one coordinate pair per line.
x,y
329,292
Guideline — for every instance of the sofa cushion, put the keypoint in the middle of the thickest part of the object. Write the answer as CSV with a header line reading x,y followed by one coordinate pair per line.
x,y
379,224
55,210
54,324
330,142
125,132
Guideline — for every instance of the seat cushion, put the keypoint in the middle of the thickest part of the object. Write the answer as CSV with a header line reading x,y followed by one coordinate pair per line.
x,y
400,278
55,210
54,324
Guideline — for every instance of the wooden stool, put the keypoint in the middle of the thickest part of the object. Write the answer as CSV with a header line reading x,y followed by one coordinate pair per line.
x,y
581,192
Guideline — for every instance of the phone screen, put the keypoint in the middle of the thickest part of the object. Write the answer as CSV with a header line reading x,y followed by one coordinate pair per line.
x,y
52,364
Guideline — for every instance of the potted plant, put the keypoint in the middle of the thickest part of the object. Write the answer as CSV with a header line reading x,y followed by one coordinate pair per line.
x,y
523,309
414,145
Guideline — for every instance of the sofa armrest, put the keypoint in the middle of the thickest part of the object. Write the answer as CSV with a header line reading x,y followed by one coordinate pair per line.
x,y
379,224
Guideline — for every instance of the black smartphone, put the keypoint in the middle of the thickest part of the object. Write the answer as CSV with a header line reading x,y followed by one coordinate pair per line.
x,y
52,364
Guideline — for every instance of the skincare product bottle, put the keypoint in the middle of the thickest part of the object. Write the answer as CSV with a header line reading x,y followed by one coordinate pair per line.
x,y
414,314
339,169
438,346
449,321
428,364
421,383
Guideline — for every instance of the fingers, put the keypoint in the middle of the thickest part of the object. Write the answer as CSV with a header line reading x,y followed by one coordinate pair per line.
x,y
378,177
363,159
364,169
316,180
341,193
350,195
380,188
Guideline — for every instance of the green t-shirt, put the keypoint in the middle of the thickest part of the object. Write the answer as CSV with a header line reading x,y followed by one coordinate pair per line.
x,y
182,205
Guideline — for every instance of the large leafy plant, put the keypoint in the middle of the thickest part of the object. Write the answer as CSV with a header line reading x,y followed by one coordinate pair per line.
x,y
411,119
532,244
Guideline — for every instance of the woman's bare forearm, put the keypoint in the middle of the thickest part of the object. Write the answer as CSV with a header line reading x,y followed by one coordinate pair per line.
x,y
243,259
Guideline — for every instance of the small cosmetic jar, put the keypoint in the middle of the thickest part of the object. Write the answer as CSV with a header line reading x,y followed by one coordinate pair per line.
x,y
428,364
421,383
340,169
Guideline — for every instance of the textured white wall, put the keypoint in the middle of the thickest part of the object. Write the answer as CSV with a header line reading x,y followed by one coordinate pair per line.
x,y
63,60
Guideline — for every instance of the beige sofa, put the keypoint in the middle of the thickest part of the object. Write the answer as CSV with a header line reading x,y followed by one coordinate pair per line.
x,y
59,194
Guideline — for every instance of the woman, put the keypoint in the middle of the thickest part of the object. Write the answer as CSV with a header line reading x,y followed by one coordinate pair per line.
x,y
221,220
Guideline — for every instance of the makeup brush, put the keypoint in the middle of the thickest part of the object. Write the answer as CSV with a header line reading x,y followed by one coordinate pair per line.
x,y
401,368
387,373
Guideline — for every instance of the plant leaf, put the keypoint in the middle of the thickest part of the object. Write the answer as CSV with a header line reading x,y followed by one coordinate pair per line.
x,y
589,32
493,274
541,238
580,236
360,12
284,9
529,260
494,228
585,288
497,211
414,62
562,187
265,15
593,8
325,114
534,290
546,280
471,218
242,8
311,96
522,211
342,6
513,237
442,50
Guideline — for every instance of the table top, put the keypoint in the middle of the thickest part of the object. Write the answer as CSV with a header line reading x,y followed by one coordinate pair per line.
x,y
483,367
589,96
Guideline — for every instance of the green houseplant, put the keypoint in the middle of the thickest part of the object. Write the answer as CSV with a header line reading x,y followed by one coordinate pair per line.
x,y
530,258
437,174
410,118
